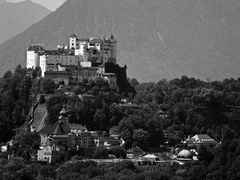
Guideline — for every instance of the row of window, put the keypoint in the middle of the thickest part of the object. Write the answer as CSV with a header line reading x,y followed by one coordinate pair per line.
x,y
87,74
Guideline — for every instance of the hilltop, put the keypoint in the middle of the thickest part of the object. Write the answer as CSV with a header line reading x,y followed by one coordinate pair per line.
x,y
157,39
17,17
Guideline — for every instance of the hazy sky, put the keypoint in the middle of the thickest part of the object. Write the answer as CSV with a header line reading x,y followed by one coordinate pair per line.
x,y
50,4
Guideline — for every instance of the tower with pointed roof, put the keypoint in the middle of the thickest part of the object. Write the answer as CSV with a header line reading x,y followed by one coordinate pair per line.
x,y
73,41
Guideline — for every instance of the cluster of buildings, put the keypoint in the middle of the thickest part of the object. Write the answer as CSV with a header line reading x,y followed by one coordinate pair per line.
x,y
82,58
57,138
192,145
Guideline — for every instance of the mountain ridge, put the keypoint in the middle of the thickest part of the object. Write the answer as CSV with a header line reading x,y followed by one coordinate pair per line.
x,y
157,39
17,17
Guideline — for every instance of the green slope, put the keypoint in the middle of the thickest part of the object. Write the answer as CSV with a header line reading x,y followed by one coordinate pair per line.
x,y
157,39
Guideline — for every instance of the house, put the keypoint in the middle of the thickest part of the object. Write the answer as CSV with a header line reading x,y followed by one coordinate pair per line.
x,y
99,138
57,137
63,133
45,133
51,154
199,139
85,140
77,128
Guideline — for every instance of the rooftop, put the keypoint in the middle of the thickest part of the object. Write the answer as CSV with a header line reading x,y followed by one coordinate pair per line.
x,y
77,127
35,47
40,113
73,36
58,128
62,128
96,40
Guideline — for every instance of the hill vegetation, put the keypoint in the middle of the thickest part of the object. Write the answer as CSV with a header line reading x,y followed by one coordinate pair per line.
x,y
156,39
190,106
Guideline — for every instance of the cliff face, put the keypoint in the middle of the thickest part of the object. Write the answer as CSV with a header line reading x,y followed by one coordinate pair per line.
x,y
17,17
156,39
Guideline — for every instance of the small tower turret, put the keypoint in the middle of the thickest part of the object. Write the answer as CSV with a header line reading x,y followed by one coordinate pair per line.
x,y
73,41
113,49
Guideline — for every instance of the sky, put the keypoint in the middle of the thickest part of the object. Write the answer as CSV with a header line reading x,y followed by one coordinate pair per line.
x,y
50,4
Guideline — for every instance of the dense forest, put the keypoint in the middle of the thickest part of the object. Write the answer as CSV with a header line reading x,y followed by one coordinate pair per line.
x,y
157,113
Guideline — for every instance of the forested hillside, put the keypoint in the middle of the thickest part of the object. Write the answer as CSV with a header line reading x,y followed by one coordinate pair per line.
x,y
190,106
156,39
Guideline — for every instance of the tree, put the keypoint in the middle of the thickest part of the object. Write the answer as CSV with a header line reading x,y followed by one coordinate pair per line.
x,y
126,134
100,119
175,134
134,82
118,152
54,106
155,132
26,156
141,139
100,153
197,172
47,172
42,99
47,86
205,154
124,165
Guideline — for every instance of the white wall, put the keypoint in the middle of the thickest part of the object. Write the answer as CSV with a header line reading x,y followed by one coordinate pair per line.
x,y
72,43
32,59
43,64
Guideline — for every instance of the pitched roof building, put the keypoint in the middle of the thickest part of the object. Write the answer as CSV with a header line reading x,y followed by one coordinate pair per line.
x,y
201,139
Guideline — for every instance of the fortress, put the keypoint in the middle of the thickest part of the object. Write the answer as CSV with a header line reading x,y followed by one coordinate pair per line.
x,y
85,58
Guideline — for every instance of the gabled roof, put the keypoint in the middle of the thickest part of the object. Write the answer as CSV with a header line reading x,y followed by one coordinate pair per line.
x,y
112,36
48,129
61,129
202,138
77,127
96,40
39,117
73,36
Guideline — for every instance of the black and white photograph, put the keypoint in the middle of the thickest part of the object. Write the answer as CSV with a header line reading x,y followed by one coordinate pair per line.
x,y
119,89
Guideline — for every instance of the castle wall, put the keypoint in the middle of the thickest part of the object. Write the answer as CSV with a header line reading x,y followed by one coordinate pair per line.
x,y
32,59
58,76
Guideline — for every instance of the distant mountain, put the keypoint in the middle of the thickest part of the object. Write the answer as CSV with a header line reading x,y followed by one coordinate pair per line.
x,y
157,38
17,17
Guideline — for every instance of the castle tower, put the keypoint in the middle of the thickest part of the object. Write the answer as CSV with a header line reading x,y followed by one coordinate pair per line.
x,y
73,41
113,49
33,57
